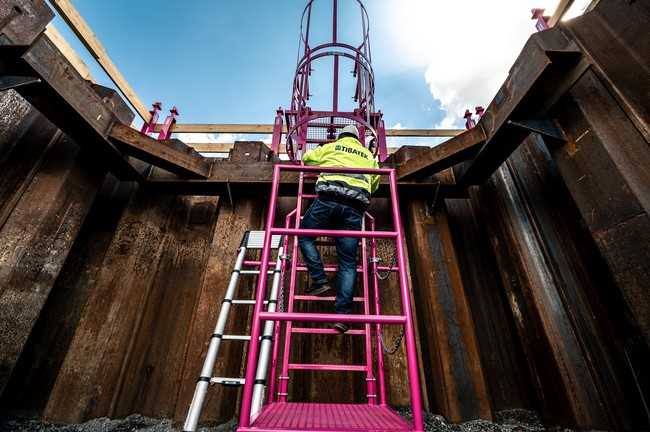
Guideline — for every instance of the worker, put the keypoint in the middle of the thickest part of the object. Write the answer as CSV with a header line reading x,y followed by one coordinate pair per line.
x,y
340,205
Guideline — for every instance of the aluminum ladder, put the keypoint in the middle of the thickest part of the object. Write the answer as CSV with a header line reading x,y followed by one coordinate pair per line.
x,y
252,240
277,413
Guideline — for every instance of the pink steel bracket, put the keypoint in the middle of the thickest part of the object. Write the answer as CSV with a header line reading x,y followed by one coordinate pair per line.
x,y
277,132
148,127
542,21
469,122
170,121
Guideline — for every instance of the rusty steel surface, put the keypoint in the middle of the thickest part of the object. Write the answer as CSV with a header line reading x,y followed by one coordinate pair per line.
x,y
530,291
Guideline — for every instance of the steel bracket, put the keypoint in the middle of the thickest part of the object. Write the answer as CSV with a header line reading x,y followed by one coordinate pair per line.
x,y
8,82
546,128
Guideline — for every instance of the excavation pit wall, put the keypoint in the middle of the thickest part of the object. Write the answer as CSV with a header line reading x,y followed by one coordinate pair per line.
x,y
529,293
113,291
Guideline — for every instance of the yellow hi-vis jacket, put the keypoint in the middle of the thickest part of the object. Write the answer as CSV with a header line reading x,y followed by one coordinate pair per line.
x,y
346,152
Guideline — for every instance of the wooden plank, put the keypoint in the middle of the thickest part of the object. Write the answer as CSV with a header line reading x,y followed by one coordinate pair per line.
x,y
268,129
444,155
560,10
248,179
81,28
226,147
36,239
547,67
69,101
174,156
59,41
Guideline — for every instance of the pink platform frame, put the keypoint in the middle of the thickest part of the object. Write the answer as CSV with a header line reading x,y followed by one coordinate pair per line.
x,y
376,387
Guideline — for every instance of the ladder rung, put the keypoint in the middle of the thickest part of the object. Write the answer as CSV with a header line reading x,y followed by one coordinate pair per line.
x,y
307,330
231,382
236,337
327,367
247,302
322,298
253,272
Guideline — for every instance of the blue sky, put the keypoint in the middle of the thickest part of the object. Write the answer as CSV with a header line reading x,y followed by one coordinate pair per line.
x,y
232,61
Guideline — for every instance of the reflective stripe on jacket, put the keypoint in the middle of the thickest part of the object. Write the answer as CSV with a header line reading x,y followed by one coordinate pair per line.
x,y
349,153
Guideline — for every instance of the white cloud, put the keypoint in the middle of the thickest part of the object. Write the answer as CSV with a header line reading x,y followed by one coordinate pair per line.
x,y
464,47
209,137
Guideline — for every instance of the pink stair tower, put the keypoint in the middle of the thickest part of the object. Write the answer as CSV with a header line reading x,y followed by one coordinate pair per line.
x,y
266,402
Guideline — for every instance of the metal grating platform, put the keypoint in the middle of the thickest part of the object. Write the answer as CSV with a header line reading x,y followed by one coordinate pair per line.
x,y
255,240
291,416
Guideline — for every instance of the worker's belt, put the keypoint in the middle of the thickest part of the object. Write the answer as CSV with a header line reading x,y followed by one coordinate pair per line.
x,y
342,193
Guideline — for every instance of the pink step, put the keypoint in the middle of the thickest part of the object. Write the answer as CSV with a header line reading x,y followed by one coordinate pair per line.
x,y
322,298
307,330
327,367
321,417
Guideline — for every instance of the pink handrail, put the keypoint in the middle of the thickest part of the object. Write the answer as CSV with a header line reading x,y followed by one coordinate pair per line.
x,y
289,317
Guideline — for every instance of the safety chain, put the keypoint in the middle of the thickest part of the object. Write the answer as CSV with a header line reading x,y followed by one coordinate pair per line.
x,y
281,287
393,349
391,267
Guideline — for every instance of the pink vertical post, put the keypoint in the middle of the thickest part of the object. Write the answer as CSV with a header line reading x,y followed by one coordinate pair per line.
x,y
284,378
277,132
148,126
276,331
170,121
375,282
260,295
409,331
541,24
381,138
469,122
370,378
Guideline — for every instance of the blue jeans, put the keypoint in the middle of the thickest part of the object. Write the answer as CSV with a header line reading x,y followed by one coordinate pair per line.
x,y
332,215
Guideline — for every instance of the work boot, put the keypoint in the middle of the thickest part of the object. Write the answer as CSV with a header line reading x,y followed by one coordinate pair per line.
x,y
341,327
318,290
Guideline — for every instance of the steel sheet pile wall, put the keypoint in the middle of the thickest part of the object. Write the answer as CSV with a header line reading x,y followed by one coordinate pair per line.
x,y
531,292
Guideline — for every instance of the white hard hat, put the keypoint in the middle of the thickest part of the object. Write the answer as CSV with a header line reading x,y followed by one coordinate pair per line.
x,y
350,129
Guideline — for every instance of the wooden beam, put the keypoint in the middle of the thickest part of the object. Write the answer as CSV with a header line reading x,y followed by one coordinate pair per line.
x,y
445,155
226,147
70,102
81,28
268,129
171,155
423,132
59,41
561,9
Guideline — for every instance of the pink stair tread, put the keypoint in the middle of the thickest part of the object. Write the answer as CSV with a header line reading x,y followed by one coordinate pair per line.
x,y
292,416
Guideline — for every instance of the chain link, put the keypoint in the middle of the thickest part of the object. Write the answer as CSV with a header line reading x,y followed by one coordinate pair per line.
x,y
393,349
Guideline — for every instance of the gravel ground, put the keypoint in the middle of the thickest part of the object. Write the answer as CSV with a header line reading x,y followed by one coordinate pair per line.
x,y
506,421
